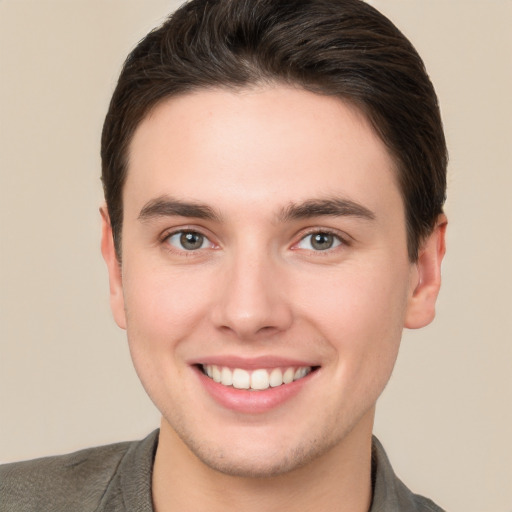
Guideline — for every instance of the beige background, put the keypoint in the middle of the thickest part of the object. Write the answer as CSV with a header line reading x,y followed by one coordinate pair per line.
x,y
66,380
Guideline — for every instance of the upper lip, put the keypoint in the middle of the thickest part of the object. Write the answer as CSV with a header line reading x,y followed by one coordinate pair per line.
x,y
253,363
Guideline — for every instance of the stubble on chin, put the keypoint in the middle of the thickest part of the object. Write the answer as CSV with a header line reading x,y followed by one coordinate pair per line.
x,y
250,463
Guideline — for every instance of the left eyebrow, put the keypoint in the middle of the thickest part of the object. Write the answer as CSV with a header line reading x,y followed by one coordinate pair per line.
x,y
335,207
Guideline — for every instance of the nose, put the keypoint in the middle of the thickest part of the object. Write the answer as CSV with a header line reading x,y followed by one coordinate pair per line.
x,y
252,302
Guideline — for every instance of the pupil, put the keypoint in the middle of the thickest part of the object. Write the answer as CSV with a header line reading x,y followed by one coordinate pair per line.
x,y
322,241
191,241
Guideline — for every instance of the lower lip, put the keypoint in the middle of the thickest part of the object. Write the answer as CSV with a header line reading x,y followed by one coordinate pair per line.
x,y
251,402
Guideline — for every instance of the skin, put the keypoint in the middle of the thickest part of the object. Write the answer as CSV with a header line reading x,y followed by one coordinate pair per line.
x,y
257,287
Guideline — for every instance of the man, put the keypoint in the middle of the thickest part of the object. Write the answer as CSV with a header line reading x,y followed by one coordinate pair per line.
x,y
274,177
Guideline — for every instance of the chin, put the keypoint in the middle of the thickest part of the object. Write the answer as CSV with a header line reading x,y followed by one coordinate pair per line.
x,y
254,467
260,460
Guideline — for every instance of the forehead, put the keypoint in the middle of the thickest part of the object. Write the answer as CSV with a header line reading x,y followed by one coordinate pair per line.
x,y
257,146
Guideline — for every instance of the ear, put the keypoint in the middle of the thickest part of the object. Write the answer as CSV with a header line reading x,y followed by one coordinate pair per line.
x,y
115,276
427,279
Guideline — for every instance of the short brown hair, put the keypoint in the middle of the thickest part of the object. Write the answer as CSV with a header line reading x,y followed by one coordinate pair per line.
x,y
342,48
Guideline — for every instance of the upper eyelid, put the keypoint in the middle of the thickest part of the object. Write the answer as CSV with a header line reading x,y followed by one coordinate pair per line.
x,y
183,229
182,251
344,237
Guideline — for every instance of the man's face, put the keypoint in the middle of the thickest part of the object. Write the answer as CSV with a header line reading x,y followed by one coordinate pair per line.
x,y
263,241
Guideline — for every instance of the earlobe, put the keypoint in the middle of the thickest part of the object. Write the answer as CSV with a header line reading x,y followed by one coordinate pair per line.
x,y
114,269
422,301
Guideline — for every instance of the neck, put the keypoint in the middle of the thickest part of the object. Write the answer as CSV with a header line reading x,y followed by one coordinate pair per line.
x,y
339,480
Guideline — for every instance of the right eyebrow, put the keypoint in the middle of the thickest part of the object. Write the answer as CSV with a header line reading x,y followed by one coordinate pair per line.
x,y
165,206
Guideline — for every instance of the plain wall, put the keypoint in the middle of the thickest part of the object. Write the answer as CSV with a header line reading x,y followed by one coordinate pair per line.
x,y
66,379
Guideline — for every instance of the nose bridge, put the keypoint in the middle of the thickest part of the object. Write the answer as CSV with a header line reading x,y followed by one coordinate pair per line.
x,y
253,299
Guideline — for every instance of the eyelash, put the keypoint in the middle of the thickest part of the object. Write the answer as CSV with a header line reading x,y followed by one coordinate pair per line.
x,y
184,231
341,240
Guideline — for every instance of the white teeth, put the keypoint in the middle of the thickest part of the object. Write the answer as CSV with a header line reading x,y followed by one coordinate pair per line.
x,y
258,379
241,379
216,374
226,377
299,373
288,375
276,377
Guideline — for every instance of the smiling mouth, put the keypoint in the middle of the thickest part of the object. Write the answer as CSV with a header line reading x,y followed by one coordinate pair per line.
x,y
255,380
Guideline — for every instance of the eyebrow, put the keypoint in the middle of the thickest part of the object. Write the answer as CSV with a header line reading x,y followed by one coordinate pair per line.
x,y
335,207
166,206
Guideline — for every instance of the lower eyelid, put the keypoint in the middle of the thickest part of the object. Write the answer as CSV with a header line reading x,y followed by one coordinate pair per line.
x,y
170,234
338,240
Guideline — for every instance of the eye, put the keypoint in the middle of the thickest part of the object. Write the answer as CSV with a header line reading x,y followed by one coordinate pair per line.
x,y
188,240
319,241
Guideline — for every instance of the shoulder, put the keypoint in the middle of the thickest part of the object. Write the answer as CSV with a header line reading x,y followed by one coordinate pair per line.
x,y
407,500
76,481
390,493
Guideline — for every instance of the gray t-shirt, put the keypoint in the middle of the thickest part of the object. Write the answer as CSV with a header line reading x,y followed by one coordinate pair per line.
x,y
117,478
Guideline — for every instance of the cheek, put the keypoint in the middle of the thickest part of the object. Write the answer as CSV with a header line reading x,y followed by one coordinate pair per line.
x,y
359,297
162,306
363,322
162,309
360,313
